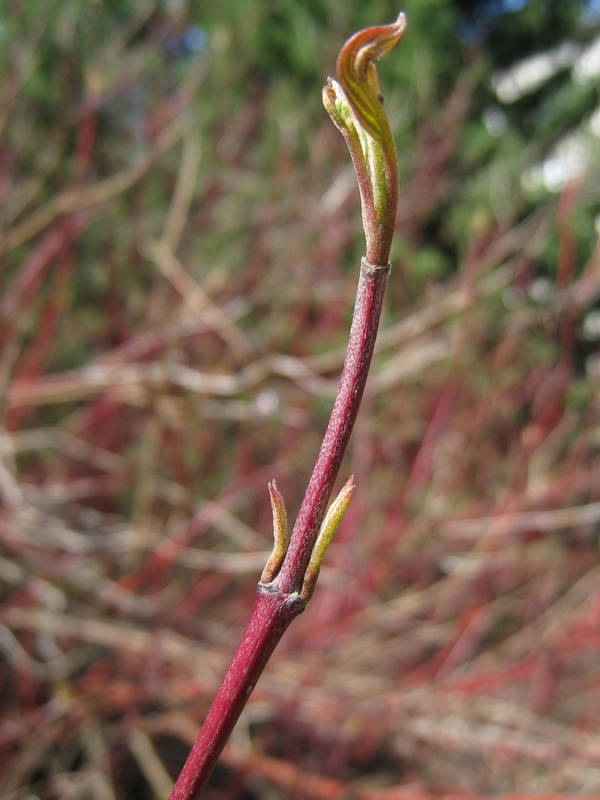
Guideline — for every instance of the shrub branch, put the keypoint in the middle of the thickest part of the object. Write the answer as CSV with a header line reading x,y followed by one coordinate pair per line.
x,y
290,575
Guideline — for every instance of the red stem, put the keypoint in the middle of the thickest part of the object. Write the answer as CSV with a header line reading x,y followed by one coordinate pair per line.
x,y
273,612
278,603
367,311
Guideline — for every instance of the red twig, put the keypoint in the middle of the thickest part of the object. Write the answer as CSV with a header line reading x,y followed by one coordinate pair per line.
x,y
277,604
291,572
367,311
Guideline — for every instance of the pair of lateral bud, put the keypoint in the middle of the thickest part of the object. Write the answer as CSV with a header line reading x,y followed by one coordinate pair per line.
x,y
326,533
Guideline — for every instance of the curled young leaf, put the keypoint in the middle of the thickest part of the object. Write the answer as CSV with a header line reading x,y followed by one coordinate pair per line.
x,y
356,108
358,74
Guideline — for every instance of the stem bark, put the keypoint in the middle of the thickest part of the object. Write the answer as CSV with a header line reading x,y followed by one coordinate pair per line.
x,y
279,602
361,342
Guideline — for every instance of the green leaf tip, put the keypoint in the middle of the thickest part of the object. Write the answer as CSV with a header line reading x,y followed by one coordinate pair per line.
x,y
280,535
329,526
